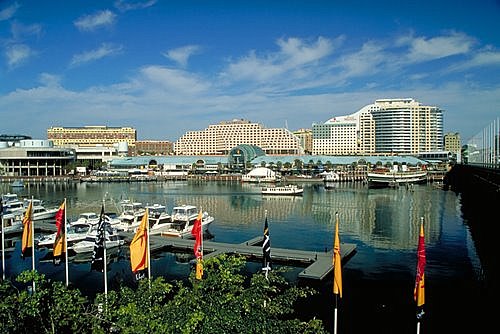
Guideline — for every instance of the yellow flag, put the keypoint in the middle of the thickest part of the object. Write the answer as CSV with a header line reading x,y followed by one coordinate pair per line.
x,y
138,246
27,238
337,267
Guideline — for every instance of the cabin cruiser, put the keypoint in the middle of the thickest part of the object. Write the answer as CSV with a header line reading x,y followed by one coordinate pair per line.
x,y
131,216
159,219
183,218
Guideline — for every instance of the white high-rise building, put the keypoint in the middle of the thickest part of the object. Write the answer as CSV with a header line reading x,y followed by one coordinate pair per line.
x,y
391,126
345,135
219,139
406,126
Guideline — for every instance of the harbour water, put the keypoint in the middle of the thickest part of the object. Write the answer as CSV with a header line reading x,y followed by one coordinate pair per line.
x,y
377,281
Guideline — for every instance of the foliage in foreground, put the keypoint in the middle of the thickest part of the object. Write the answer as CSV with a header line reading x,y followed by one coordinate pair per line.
x,y
225,301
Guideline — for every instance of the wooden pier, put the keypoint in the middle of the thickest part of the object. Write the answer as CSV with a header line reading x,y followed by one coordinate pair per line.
x,y
317,264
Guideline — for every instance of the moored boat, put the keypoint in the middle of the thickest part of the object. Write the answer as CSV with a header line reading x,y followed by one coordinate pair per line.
x,y
290,189
183,218
394,178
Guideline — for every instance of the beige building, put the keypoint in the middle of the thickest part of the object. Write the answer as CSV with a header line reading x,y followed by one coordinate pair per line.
x,y
345,135
219,139
90,136
153,147
305,138
452,142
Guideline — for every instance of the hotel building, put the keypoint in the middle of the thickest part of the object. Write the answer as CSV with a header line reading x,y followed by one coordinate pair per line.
x,y
219,139
91,136
345,135
388,126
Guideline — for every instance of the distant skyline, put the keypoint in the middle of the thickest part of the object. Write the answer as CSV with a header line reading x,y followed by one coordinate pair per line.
x,y
168,67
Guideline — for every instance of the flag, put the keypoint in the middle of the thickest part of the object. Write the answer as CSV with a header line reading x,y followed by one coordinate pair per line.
x,y
27,238
139,248
266,248
59,243
419,290
337,266
97,262
197,233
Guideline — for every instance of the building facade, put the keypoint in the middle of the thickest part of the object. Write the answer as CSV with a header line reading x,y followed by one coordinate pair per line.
x,y
388,126
153,147
220,138
305,139
90,136
452,143
405,126
32,158
345,135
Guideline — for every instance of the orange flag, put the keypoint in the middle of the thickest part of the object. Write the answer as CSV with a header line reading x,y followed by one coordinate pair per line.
x,y
337,267
419,290
27,238
139,246
59,244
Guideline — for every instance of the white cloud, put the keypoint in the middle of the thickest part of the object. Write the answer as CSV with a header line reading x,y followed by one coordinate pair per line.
x,y
49,80
9,11
480,59
370,59
293,57
425,49
182,54
173,81
18,54
125,5
104,50
95,21
21,30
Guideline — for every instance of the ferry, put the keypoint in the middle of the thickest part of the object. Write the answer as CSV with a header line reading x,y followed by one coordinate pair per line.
x,y
290,189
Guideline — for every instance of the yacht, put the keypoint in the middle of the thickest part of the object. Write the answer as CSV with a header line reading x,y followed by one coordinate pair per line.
x,y
76,232
130,218
112,239
159,219
183,218
394,178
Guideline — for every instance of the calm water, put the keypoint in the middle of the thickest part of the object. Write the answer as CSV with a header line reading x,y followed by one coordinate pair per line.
x,y
378,279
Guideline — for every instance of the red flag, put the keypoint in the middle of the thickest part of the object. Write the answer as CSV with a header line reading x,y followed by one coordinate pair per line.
x,y
59,244
196,232
419,291
27,238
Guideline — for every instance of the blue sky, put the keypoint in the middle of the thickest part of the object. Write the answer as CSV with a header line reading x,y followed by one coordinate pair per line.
x,y
168,67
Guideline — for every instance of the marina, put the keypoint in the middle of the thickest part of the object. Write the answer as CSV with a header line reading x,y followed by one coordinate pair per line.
x,y
381,224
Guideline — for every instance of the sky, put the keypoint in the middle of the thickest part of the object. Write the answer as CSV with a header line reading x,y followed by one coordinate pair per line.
x,y
169,67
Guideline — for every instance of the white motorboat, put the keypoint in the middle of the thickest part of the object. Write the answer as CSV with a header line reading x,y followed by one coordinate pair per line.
x,y
11,224
112,240
76,232
12,204
290,189
159,219
131,216
183,218
92,218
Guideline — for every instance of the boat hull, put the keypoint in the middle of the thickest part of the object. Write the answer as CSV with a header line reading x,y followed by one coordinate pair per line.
x,y
394,179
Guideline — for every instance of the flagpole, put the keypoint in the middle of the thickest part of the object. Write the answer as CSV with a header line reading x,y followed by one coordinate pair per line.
x,y
335,264
3,241
66,243
105,257
148,250
266,270
201,232
32,241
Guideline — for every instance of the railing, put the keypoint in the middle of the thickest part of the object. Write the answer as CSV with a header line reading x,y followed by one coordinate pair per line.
x,y
484,147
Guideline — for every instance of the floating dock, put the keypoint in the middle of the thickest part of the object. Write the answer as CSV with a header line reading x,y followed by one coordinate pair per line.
x,y
317,264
